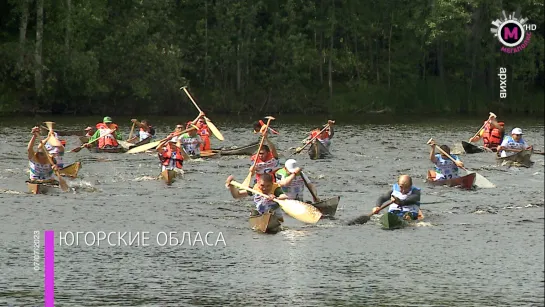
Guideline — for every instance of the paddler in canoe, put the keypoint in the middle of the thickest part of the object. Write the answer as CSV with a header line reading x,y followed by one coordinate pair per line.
x,y
171,158
265,161
191,141
203,131
145,130
55,148
40,168
324,136
514,151
492,133
290,178
107,140
404,199
263,204
259,127
445,168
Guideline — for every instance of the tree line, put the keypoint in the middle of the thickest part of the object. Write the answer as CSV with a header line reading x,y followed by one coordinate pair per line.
x,y
276,56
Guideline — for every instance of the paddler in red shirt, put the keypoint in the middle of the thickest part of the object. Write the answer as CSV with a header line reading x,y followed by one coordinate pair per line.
x,y
267,160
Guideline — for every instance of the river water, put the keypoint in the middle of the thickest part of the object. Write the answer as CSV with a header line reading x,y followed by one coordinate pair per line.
x,y
474,248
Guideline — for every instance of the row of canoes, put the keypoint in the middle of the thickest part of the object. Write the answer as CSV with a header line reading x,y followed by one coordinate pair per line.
x,y
521,158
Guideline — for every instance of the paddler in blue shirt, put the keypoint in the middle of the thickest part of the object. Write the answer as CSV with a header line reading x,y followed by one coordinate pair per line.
x,y
405,199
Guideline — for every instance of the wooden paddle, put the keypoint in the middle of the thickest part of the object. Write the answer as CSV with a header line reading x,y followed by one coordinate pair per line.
x,y
77,149
148,146
299,149
132,129
297,209
246,181
366,217
480,180
62,183
314,197
482,127
211,125
52,140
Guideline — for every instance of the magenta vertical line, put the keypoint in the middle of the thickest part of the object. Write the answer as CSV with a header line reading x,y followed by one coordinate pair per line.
x,y
49,268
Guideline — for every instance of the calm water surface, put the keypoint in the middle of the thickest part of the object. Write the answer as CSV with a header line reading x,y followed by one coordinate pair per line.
x,y
474,248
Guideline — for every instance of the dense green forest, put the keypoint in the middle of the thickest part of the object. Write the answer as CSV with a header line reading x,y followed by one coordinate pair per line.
x,y
273,56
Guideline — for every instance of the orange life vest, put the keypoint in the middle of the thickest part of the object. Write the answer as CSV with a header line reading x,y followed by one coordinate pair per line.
x,y
322,136
166,156
110,139
492,137
205,136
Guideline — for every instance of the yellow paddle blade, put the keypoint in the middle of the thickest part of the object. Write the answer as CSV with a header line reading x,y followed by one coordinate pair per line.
x,y
208,153
213,128
62,183
300,211
184,154
246,181
49,125
124,144
144,147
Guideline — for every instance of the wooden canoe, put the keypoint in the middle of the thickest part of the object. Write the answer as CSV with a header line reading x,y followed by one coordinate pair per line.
x,y
265,223
243,150
207,154
471,148
70,170
391,221
317,151
139,143
168,176
519,159
328,207
465,182
42,186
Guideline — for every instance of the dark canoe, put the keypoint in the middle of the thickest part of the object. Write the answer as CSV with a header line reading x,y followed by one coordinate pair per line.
x,y
390,221
168,176
519,159
465,182
70,170
328,207
248,150
206,154
42,186
265,223
144,141
471,149
317,151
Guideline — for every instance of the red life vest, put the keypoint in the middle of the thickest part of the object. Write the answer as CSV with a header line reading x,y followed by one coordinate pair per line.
x,y
205,136
492,137
110,138
166,156
322,136
268,165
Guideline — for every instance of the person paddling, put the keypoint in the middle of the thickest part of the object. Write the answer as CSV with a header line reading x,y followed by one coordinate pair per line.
x,y
290,178
405,199
492,133
203,131
263,204
444,167
259,127
267,160
105,129
513,144
324,137
191,141
145,129
40,168
170,155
